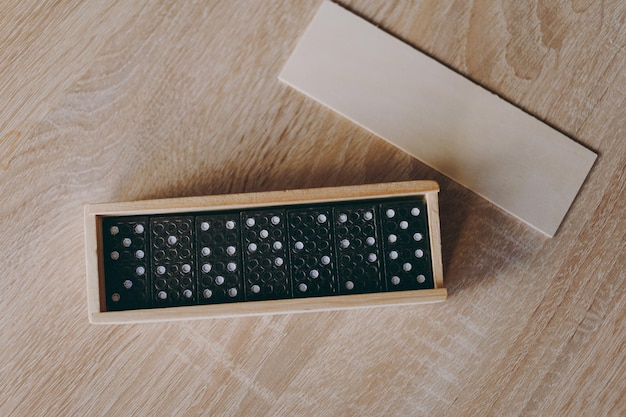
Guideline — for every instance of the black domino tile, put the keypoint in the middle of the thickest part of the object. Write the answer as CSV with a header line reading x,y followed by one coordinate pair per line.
x,y
218,254
311,250
407,271
266,253
405,239
264,247
172,261
358,250
126,265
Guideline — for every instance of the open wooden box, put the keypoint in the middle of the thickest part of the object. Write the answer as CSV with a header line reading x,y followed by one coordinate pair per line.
x,y
94,214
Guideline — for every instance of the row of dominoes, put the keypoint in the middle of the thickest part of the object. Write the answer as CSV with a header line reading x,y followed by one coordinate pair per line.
x,y
267,253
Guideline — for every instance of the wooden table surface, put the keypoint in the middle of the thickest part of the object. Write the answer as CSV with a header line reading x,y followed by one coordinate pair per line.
x,y
116,101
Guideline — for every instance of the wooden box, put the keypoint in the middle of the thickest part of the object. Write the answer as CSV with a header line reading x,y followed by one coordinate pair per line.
x,y
95,213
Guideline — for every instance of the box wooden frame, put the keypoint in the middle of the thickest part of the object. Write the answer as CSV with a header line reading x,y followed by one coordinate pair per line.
x,y
93,214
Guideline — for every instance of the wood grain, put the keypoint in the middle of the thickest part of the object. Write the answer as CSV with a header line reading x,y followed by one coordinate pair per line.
x,y
120,102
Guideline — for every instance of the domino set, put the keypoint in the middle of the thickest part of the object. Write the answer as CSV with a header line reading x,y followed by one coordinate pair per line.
x,y
264,253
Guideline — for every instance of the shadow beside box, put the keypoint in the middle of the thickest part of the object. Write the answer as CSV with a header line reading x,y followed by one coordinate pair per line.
x,y
283,252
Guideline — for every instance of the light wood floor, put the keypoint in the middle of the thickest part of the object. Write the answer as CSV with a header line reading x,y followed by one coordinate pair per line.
x,y
116,101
